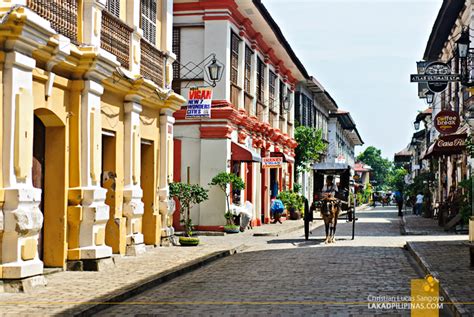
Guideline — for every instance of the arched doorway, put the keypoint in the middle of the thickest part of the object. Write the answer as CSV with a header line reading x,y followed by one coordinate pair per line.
x,y
49,173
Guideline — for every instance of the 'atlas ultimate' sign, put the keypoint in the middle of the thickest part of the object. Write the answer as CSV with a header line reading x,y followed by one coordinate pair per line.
x,y
199,103
272,162
437,75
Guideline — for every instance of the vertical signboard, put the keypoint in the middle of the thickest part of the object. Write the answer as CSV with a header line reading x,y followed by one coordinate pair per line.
x,y
199,103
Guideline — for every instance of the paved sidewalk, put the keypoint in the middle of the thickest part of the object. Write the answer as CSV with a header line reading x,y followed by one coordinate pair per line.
x,y
71,293
449,262
417,225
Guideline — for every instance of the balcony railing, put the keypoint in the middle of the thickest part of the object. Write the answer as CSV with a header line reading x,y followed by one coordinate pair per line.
x,y
115,37
62,14
151,66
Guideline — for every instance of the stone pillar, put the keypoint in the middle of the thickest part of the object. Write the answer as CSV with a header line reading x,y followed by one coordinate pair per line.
x,y
166,173
132,192
133,20
21,219
91,22
87,211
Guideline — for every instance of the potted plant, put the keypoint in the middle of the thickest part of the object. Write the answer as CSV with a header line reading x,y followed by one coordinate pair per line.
x,y
293,203
221,180
187,195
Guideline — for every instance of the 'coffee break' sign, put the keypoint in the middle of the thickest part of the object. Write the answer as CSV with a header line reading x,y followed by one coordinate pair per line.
x,y
447,122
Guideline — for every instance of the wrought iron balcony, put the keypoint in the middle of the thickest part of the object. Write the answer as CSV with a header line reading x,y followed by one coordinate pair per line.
x,y
62,14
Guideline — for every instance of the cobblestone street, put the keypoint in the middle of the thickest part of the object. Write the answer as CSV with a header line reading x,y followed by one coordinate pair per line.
x,y
290,276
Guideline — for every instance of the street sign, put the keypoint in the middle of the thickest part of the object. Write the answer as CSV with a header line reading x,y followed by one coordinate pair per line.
x,y
199,103
436,75
434,78
272,162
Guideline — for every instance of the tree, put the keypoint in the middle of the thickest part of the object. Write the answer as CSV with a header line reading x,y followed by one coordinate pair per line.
x,y
187,195
310,146
380,166
223,179
396,179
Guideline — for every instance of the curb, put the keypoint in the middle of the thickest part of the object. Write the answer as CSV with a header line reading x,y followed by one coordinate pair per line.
x,y
150,282
456,309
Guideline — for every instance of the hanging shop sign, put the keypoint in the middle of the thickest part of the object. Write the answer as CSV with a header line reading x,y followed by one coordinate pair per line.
x,y
447,121
199,103
437,75
272,162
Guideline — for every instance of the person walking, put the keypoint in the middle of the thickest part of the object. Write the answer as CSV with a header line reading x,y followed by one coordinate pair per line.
x,y
276,208
399,201
418,204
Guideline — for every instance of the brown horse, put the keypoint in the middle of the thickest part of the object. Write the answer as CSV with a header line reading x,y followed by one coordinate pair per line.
x,y
330,212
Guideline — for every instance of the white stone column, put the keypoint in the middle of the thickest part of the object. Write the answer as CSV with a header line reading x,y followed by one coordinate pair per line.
x,y
166,170
132,193
93,209
91,22
21,219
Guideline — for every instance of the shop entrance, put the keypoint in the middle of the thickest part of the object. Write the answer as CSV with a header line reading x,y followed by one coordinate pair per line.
x,y
147,181
49,174
108,181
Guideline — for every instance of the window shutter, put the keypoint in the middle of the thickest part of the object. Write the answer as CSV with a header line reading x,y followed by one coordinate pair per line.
x,y
113,6
148,20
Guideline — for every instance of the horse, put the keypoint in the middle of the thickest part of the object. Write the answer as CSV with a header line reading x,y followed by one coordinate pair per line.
x,y
330,212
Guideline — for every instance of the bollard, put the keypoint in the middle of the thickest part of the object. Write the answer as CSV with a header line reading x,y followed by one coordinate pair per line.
x,y
471,252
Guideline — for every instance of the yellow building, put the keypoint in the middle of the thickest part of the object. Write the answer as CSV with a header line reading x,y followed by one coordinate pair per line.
x,y
86,130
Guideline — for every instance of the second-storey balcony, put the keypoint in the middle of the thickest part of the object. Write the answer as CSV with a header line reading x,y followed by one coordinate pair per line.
x,y
152,62
115,37
62,14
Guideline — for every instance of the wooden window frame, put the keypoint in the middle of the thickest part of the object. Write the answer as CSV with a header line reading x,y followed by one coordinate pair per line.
x,y
260,80
248,69
234,58
272,78
282,96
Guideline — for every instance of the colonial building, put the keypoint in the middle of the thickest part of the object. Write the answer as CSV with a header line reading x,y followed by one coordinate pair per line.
x,y
343,138
86,130
433,153
313,104
252,113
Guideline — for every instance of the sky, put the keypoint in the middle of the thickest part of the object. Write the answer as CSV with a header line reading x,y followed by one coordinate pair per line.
x,y
362,52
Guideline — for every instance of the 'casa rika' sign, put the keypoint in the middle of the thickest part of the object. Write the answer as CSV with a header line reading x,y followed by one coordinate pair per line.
x,y
447,122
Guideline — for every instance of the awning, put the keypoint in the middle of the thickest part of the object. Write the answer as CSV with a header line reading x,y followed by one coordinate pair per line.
x,y
240,153
331,168
286,157
449,144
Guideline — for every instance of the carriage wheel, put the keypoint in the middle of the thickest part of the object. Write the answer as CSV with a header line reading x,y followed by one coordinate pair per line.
x,y
306,228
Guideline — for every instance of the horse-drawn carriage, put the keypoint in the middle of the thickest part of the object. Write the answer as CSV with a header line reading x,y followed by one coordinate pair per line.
x,y
340,206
